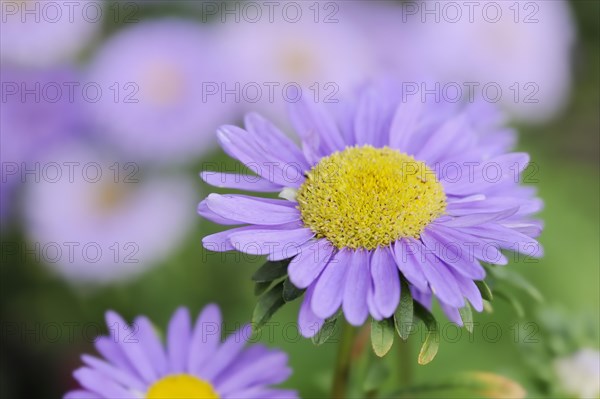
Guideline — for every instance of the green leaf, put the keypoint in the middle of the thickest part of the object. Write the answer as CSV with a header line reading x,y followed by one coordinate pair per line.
x,y
518,281
290,291
271,271
382,336
466,314
485,291
487,306
513,302
266,306
326,330
432,339
260,288
403,318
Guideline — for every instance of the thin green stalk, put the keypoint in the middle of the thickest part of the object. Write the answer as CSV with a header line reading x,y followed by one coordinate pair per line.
x,y
342,365
406,362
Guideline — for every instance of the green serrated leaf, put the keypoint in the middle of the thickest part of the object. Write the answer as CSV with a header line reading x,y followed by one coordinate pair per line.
x,y
432,339
485,291
290,291
260,288
382,336
518,281
327,330
403,317
266,306
271,271
513,302
466,314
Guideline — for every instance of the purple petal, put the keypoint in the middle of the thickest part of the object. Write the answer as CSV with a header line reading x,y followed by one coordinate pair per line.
x,y
404,125
267,241
126,338
329,288
115,374
264,161
97,383
370,121
274,138
79,394
452,313
178,340
309,263
373,310
265,370
440,279
206,337
239,182
470,291
479,218
253,211
110,350
309,119
213,217
309,323
452,254
358,281
386,282
152,344
452,135
230,349
407,265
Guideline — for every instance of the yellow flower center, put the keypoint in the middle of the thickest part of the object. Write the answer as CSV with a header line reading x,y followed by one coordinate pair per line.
x,y
181,386
365,197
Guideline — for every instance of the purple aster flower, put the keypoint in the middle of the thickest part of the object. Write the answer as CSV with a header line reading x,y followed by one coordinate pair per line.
x,y
381,190
193,364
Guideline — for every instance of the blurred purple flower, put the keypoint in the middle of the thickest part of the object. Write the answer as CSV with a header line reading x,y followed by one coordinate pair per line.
x,y
43,33
287,60
153,77
524,48
97,220
38,112
193,363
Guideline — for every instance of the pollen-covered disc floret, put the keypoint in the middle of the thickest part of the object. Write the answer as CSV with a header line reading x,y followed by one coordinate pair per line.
x,y
365,197
181,386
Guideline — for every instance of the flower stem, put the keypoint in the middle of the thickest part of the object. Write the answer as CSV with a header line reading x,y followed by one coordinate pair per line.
x,y
405,362
342,366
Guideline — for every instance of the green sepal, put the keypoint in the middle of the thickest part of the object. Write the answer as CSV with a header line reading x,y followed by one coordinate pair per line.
x,y
382,336
484,289
271,271
432,339
466,314
260,288
326,330
403,317
290,291
266,306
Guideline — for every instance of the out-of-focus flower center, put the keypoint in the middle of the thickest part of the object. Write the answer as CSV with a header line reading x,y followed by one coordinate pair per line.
x,y
298,61
365,197
162,84
181,386
110,196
